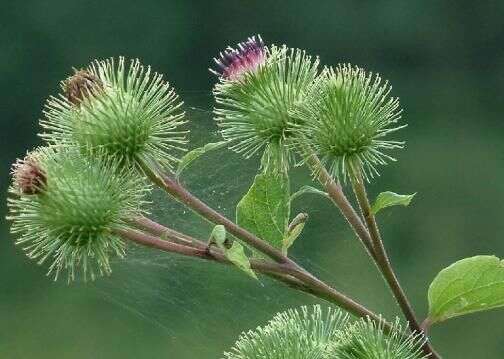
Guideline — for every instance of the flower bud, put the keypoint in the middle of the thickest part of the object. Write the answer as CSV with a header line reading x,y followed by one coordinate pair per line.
x,y
346,118
72,221
366,339
81,85
233,64
134,116
293,334
29,177
258,87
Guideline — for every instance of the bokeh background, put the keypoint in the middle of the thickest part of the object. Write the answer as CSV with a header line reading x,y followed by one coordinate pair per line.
x,y
445,60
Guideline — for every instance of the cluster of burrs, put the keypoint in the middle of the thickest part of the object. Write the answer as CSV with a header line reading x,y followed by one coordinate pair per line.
x,y
69,199
114,120
277,100
314,333
116,128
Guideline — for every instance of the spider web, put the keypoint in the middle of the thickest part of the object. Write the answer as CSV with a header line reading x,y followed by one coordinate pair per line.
x,y
200,307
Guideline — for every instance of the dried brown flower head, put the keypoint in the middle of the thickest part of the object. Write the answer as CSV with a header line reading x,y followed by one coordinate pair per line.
x,y
81,85
29,177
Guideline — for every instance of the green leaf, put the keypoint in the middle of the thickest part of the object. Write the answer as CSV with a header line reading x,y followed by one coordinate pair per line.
x,y
265,209
294,230
388,199
218,235
235,253
196,153
308,189
237,256
467,286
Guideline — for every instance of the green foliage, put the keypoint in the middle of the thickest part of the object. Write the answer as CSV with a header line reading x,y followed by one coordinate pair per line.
x,y
294,231
237,256
71,221
218,235
348,115
235,253
467,286
193,155
134,116
265,209
294,334
366,340
388,199
309,189
254,112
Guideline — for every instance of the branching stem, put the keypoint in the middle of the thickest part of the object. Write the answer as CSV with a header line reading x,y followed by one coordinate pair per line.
x,y
181,194
337,196
369,236
383,262
382,259
294,277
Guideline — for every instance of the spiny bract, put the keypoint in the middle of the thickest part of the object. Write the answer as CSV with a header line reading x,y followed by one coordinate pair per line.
x,y
294,334
364,339
70,219
253,109
348,114
130,114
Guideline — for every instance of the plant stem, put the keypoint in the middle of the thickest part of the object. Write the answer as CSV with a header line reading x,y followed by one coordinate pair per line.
x,y
382,259
294,277
315,285
206,252
157,229
369,236
181,194
336,194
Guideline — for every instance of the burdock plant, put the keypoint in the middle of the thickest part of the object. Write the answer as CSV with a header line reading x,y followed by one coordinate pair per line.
x,y
117,128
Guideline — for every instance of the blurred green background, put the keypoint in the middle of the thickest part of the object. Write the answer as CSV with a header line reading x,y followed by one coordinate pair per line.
x,y
445,60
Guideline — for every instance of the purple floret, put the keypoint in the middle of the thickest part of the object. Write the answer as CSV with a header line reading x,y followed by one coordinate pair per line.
x,y
248,57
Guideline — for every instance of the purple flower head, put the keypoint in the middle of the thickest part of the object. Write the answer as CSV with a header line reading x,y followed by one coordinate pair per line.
x,y
247,57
